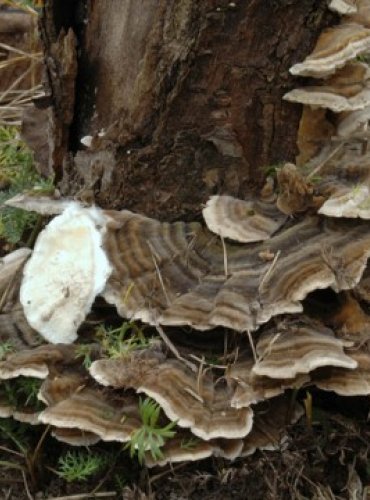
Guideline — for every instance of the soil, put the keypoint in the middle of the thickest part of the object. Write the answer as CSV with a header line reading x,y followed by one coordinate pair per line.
x,y
324,459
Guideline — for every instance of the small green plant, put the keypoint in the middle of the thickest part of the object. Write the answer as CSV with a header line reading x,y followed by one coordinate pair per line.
x,y
364,58
22,392
271,170
17,174
84,351
150,437
189,444
80,465
15,432
5,348
119,342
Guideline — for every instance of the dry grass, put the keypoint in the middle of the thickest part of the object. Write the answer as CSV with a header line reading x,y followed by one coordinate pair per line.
x,y
24,60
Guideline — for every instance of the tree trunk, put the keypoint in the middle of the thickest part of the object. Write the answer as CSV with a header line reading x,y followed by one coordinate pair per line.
x,y
183,98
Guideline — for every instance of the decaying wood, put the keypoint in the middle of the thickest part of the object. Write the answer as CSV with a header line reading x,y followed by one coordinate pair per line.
x,y
182,98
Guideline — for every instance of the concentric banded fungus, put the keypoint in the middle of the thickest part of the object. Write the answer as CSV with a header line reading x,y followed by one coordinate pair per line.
x,y
43,205
75,437
179,274
14,328
353,122
68,268
91,411
347,382
287,351
343,6
186,447
180,449
192,399
334,48
343,182
251,388
35,362
10,265
245,221
361,14
6,410
60,387
347,90
355,203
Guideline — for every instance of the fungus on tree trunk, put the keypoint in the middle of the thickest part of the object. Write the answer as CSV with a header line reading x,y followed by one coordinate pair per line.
x,y
250,271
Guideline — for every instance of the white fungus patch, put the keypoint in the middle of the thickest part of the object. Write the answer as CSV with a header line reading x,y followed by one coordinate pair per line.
x,y
67,270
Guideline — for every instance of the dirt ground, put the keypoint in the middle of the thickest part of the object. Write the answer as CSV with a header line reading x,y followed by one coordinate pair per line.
x,y
325,459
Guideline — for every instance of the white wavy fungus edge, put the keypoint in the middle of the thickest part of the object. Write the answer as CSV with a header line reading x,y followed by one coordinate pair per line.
x,y
67,270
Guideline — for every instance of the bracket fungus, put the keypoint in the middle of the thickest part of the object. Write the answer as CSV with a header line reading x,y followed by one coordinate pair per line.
x,y
347,382
89,410
36,362
347,90
343,6
239,220
191,399
68,268
334,48
292,349
249,270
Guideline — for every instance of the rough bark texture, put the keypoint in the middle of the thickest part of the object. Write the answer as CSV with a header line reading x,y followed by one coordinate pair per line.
x,y
188,93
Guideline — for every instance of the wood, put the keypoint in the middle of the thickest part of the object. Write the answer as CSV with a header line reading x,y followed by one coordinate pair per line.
x,y
188,92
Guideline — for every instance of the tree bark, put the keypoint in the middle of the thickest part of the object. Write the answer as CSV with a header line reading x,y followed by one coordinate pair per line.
x,y
183,98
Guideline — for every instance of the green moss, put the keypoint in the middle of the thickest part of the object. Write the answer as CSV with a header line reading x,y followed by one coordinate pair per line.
x,y
17,174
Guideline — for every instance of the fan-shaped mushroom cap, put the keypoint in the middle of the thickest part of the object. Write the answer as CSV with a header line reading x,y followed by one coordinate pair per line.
x,y
343,6
361,14
245,221
183,448
6,410
347,90
26,417
299,348
334,48
347,382
11,264
15,329
68,268
43,205
75,437
35,362
91,411
192,399
251,388
343,181
179,274
60,387
353,121
354,203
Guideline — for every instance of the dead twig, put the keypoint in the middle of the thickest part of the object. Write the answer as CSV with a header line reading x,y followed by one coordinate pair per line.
x,y
28,493
269,271
173,349
254,352
82,496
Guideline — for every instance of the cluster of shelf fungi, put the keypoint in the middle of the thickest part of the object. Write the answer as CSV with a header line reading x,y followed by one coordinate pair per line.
x,y
239,289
